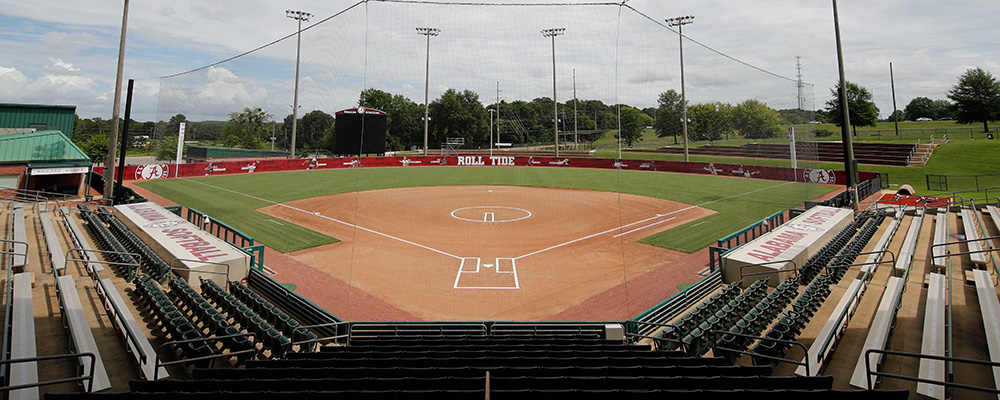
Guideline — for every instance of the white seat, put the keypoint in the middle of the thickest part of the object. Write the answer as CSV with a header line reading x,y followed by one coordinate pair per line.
x,y
909,243
934,337
940,261
21,236
878,334
52,242
23,339
82,334
871,263
989,305
972,235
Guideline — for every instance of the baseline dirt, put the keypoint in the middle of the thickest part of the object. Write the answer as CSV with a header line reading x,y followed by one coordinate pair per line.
x,y
490,252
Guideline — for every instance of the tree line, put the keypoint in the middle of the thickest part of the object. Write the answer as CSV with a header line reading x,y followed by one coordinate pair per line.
x,y
461,114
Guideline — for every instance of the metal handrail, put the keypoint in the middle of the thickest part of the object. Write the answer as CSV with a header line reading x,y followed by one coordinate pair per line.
x,y
89,378
657,339
307,327
201,339
870,372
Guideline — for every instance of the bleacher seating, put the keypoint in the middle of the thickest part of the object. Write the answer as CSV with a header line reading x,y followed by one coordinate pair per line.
x,y
933,342
823,346
53,248
938,251
171,320
76,235
905,256
994,215
23,339
970,223
989,305
125,264
80,331
20,236
865,153
872,261
126,322
308,314
878,334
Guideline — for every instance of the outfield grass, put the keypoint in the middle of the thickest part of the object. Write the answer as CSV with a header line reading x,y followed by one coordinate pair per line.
x,y
726,195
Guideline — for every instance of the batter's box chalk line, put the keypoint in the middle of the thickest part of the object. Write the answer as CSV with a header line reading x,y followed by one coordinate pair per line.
x,y
472,271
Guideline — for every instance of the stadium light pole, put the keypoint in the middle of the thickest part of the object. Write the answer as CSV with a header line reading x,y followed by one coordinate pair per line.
x,y
427,78
679,22
552,33
298,16
491,131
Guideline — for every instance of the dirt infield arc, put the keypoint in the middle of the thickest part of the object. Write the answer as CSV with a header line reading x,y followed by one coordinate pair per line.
x,y
486,252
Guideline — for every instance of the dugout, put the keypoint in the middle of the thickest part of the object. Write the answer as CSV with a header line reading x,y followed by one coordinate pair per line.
x,y
360,131
44,161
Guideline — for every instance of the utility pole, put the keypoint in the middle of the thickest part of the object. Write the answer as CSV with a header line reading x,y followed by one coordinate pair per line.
x,y
895,118
298,16
427,78
799,84
552,33
679,22
845,124
109,164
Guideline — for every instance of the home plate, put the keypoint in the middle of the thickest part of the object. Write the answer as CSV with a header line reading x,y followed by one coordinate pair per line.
x,y
487,265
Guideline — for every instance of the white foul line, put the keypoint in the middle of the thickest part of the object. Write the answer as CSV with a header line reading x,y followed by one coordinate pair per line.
x,y
644,227
328,218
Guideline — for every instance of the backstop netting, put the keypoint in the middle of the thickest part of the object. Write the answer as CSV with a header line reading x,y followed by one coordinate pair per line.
x,y
489,70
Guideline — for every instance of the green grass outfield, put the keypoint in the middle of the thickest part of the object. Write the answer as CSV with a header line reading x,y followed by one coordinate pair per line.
x,y
738,201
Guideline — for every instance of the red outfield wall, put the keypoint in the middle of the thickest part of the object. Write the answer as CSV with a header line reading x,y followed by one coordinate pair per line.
x,y
163,171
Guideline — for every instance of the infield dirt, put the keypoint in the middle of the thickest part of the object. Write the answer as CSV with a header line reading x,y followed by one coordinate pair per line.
x,y
492,252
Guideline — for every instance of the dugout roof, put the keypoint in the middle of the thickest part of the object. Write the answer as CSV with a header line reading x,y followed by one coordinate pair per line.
x,y
43,148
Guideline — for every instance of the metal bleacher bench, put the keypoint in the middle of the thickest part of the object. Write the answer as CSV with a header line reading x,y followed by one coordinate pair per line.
x,y
972,235
994,215
52,242
934,338
80,331
990,307
871,263
23,339
909,243
20,235
148,365
878,335
939,259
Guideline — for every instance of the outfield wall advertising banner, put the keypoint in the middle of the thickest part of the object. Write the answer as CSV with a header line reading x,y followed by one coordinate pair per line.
x,y
163,171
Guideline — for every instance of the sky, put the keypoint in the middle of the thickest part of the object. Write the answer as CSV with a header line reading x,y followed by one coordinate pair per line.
x,y
65,51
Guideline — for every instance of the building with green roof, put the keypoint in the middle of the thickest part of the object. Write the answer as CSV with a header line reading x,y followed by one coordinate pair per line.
x,y
43,160
16,118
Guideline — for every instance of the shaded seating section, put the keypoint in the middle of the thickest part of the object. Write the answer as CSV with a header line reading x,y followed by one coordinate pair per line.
x,y
718,310
676,304
433,370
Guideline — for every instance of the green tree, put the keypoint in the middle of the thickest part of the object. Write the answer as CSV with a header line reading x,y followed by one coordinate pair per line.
x,y
861,109
920,107
896,116
976,97
459,115
943,108
311,128
668,114
634,122
405,118
247,129
96,147
709,121
755,120
167,149
173,125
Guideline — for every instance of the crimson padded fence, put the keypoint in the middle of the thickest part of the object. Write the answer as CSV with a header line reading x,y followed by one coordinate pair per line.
x,y
806,175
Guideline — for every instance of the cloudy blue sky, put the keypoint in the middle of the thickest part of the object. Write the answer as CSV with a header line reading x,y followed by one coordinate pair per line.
x,y
65,51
